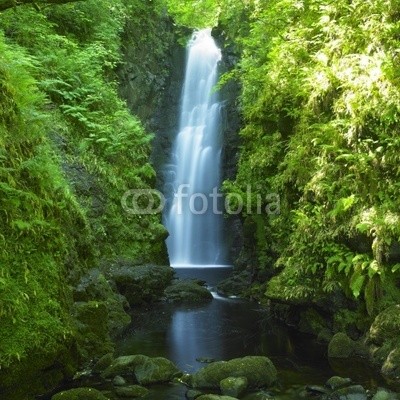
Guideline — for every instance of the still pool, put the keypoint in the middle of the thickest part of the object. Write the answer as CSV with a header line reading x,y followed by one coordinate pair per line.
x,y
228,328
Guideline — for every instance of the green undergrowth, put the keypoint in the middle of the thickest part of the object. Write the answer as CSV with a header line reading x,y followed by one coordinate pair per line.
x,y
69,150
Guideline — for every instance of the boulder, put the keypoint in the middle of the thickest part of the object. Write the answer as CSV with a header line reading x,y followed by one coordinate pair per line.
x,y
95,287
187,291
234,387
236,285
341,346
119,381
193,394
156,370
147,370
92,329
103,363
356,392
386,325
391,367
131,391
83,393
258,370
337,382
141,283
384,394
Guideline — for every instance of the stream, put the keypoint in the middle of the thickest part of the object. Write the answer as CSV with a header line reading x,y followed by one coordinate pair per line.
x,y
228,328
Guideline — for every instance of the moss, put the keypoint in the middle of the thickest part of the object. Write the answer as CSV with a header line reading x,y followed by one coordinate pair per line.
x,y
258,370
341,346
80,394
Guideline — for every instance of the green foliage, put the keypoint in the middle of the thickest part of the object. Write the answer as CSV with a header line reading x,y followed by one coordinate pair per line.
x,y
321,103
69,150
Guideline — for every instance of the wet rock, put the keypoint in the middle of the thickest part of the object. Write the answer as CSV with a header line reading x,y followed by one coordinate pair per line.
x,y
337,382
92,330
235,285
147,370
356,392
215,397
141,283
384,394
131,391
234,387
391,367
187,291
193,394
103,363
312,322
258,370
95,287
341,346
119,381
386,325
83,393
316,390
156,370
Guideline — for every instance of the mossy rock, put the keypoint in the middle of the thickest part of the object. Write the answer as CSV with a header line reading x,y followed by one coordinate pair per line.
x,y
131,391
391,367
386,325
92,328
312,322
384,394
341,346
355,392
234,387
236,285
187,291
141,283
83,393
147,370
95,287
258,370
337,382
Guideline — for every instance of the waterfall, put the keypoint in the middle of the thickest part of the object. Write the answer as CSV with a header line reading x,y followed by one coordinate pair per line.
x,y
194,208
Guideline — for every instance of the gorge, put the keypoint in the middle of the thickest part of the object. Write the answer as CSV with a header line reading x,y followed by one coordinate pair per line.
x,y
299,98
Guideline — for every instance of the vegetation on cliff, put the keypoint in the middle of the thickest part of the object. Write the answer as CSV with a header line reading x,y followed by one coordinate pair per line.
x,y
69,150
320,102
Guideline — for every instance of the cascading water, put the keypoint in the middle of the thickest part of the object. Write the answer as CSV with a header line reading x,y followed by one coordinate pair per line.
x,y
193,213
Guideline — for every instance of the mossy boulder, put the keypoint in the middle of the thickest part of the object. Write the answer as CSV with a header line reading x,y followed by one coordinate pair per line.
x,y
141,283
236,285
131,391
147,370
384,394
83,393
94,286
234,387
337,382
259,371
92,329
391,367
341,346
312,322
386,325
187,291
355,392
